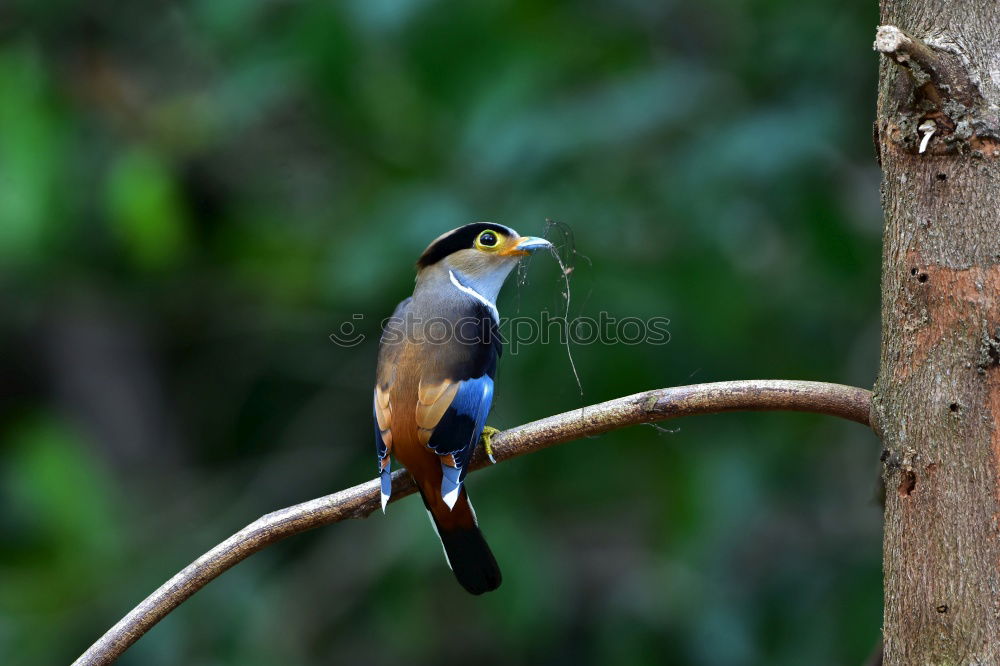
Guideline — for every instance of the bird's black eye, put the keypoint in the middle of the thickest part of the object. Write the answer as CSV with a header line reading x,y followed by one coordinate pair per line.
x,y
488,239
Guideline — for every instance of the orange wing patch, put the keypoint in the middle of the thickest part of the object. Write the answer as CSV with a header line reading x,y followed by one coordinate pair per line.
x,y
383,417
433,401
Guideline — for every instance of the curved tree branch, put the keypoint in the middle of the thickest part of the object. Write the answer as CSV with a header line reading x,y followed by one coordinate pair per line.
x,y
358,502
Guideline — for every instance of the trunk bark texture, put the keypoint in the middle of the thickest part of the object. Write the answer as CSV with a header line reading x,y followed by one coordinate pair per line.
x,y
937,397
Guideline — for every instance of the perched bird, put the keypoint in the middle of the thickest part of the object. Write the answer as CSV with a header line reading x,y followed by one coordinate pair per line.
x,y
434,383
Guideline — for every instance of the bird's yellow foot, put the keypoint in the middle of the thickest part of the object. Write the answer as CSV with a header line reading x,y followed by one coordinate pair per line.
x,y
487,439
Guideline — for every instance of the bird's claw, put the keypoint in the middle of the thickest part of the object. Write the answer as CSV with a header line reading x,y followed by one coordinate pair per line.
x,y
487,439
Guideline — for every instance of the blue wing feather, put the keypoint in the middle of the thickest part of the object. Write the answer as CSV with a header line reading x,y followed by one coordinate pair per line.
x,y
385,466
459,429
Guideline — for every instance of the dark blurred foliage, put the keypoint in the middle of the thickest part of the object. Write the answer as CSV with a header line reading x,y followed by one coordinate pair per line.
x,y
194,195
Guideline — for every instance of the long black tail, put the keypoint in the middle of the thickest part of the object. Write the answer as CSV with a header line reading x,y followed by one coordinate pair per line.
x,y
469,556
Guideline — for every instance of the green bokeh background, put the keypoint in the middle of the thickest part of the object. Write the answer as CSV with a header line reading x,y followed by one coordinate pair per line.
x,y
195,194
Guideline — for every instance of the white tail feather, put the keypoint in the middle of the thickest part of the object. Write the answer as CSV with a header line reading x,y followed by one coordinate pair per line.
x,y
451,497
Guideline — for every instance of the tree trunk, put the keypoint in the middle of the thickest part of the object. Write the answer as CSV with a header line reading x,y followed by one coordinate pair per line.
x,y
937,397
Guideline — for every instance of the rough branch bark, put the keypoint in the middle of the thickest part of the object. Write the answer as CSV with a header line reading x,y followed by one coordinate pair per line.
x,y
937,398
361,500
941,76
944,93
